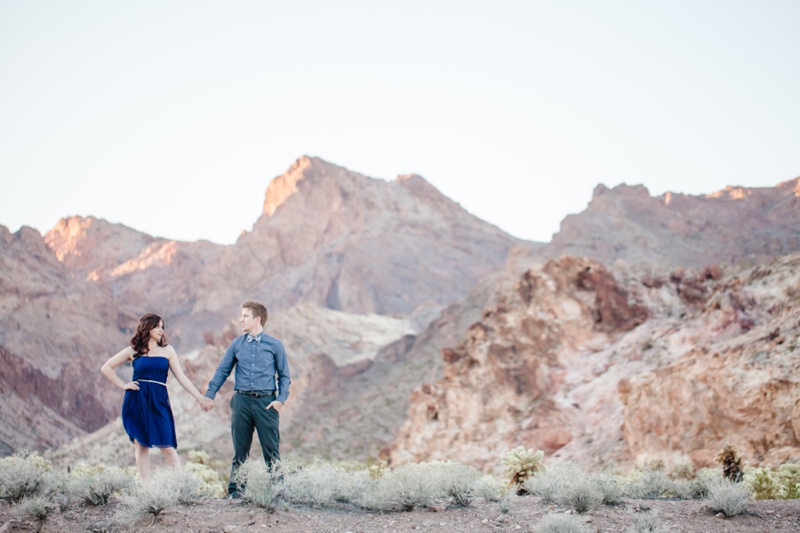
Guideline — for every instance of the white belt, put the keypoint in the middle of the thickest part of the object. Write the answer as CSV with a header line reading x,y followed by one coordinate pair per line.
x,y
151,381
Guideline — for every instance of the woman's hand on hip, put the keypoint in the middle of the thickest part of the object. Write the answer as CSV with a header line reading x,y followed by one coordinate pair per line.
x,y
133,385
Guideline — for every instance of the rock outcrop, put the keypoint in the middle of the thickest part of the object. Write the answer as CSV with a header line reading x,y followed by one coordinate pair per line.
x,y
653,366
500,383
736,224
55,332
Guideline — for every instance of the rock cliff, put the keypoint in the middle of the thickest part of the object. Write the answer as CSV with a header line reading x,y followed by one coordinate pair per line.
x,y
596,369
55,332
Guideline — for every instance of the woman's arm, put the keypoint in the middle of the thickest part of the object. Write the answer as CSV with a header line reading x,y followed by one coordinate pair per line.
x,y
109,366
177,371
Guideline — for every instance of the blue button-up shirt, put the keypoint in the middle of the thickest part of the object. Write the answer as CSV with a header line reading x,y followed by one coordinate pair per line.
x,y
257,363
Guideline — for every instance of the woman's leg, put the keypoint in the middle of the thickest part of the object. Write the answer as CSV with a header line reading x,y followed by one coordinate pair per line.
x,y
171,457
142,461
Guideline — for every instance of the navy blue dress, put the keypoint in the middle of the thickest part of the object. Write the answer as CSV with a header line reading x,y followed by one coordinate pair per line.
x,y
147,413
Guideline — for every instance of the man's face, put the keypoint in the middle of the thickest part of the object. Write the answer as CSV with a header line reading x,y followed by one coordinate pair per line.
x,y
248,322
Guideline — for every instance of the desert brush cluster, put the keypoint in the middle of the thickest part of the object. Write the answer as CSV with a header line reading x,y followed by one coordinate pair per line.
x,y
36,490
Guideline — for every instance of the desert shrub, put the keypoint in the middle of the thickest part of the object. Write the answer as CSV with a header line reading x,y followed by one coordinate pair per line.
x,y
610,487
377,469
33,509
206,471
567,485
210,482
322,484
649,484
780,484
731,463
184,483
507,501
728,498
645,523
167,488
581,496
788,477
411,485
488,488
762,483
457,481
560,523
683,470
258,484
697,488
522,464
550,484
375,496
95,486
24,475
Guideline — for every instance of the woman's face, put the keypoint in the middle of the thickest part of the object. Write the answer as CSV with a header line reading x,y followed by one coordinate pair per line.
x,y
157,332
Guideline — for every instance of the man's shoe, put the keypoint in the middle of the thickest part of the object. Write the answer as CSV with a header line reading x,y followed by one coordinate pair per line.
x,y
234,496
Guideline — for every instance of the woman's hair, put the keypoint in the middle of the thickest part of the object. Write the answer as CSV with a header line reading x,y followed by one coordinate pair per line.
x,y
140,341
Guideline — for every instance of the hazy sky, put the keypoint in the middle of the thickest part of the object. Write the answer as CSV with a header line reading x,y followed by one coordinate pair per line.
x,y
172,117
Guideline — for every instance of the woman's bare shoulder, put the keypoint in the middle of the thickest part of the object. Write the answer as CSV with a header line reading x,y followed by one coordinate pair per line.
x,y
129,351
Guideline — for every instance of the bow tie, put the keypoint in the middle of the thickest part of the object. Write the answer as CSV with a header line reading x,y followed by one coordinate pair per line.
x,y
257,338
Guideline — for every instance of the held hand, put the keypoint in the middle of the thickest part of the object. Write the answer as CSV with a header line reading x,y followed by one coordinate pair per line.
x,y
133,385
206,404
275,405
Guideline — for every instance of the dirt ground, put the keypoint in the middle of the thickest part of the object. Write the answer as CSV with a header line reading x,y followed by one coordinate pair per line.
x,y
226,516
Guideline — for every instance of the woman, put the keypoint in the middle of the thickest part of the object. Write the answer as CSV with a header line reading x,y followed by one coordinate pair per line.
x,y
146,411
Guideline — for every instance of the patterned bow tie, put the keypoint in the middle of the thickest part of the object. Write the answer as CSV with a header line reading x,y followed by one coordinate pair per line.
x,y
257,338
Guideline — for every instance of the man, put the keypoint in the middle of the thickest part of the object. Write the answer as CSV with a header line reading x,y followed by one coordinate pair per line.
x,y
258,358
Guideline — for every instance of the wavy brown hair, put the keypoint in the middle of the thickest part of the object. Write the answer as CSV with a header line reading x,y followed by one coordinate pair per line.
x,y
140,341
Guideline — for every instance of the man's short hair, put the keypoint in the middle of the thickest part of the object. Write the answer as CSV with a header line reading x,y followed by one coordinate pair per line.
x,y
258,309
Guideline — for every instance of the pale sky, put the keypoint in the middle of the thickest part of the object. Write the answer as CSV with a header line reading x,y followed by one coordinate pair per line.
x,y
172,117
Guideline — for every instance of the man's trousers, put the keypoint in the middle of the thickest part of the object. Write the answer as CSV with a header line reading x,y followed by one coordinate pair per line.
x,y
249,413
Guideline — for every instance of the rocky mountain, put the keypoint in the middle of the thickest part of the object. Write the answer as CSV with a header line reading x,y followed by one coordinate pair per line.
x,y
626,367
733,225
380,287
327,236
55,332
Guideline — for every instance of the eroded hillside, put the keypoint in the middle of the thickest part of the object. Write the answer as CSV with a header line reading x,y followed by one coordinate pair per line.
x,y
599,368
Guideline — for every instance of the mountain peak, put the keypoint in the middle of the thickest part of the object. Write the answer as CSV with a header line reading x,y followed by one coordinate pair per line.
x,y
285,185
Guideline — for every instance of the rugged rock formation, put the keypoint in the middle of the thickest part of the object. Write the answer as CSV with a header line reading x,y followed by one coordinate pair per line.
x,y
736,224
355,411
565,370
328,236
736,381
55,332
499,383
573,368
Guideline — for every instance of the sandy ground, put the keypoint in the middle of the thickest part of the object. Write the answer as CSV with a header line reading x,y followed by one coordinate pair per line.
x,y
225,516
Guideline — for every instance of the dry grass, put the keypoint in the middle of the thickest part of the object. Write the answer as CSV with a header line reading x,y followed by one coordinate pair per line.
x,y
645,523
561,523
24,475
96,487
728,498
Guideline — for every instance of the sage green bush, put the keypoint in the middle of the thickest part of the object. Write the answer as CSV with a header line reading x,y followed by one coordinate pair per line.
x,y
23,475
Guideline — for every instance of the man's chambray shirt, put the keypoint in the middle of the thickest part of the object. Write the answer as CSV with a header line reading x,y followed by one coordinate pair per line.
x,y
257,362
